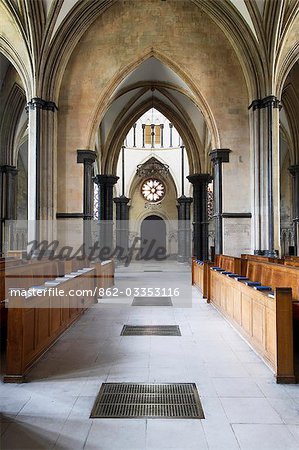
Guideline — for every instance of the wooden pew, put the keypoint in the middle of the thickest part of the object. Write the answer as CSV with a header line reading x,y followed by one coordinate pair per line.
x,y
274,275
5,263
266,323
291,261
200,273
229,263
262,258
104,273
35,323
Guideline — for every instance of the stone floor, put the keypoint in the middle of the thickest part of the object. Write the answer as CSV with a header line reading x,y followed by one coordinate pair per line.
x,y
243,406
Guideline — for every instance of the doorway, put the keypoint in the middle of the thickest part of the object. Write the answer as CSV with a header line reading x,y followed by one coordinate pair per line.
x,y
153,238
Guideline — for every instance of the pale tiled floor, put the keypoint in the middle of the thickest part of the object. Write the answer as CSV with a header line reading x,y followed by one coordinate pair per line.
x,y
243,406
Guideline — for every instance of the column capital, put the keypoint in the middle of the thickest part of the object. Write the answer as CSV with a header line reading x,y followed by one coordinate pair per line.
x,y
183,199
200,178
9,169
105,180
86,156
270,100
39,103
219,155
261,103
294,170
255,104
122,199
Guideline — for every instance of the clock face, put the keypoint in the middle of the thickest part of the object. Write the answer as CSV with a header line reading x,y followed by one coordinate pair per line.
x,y
153,190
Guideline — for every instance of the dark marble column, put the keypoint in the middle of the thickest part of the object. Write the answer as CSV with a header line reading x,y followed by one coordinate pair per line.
x,y
294,171
1,209
152,135
105,184
143,135
162,134
200,183
122,225
170,134
87,158
134,134
184,230
218,157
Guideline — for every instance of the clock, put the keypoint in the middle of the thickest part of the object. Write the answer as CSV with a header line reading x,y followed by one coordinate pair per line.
x,y
153,190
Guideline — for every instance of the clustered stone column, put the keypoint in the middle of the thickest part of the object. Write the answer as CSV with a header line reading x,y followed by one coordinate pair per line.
x,y
265,115
39,148
294,171
41,169
200,183
8,180
105,184
218,157
87,158
184,231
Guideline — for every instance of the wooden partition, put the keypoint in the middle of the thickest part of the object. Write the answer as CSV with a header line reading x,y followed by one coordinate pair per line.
x,y
34,323
265,322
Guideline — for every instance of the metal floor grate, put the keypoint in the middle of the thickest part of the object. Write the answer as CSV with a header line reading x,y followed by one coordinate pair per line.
x,y
152,301
132,400
153,270
151,330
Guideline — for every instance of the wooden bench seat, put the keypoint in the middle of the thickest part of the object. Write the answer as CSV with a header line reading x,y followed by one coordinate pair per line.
x,y
35,323
229,263
262,258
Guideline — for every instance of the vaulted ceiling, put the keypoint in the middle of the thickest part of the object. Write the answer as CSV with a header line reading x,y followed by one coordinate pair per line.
x,y
38,37
155,84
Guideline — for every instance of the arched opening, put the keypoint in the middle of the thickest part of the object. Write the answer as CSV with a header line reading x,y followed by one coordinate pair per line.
x,y
13,158
289,164
153,238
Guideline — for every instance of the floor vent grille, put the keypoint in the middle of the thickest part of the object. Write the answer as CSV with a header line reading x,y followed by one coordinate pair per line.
x,y
152,301
132,400
151,330
153,270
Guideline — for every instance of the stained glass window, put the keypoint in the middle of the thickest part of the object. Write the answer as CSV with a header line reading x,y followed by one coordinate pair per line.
x,y
153,190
